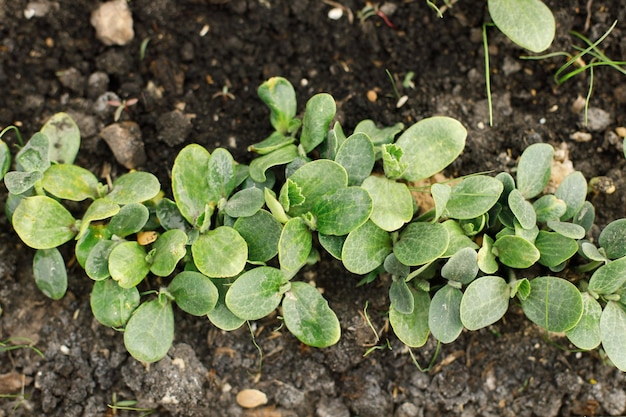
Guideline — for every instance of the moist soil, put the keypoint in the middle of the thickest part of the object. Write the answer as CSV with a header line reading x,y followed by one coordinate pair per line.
x,y
205,60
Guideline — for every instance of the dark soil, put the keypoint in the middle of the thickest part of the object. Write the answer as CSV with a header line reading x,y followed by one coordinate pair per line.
x,y
48,64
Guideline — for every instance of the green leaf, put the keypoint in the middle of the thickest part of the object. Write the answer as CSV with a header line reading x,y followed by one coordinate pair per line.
x,y
365,248
521,288
378,135
261,231
486,259
111,304
245,203
613,330
570,230
462,266
50,273
167,250
393,266
134,187
473,197
444,315
308,316
548,207
279,95
392,202
522,209
272,143
70,182
457,239
320,111
332,244
572,190
356,155
392,160
585,217
43,223
220,253
97,263
127,264
586,334
88,241
150,331
130,219
221,316
613,239
343,211
441,194
193,293
189,182
169,216
291,195
515,251
400,296
316,179
609,278
5,159
554,248
64,137
19,182
281,156
484,302
430,145
256,293
222,179
294,245
100,209
528,23
412,329
34,156
553,303
421,243
534,168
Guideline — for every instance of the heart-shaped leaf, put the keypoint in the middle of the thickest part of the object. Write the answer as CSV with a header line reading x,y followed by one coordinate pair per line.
x,y
193,293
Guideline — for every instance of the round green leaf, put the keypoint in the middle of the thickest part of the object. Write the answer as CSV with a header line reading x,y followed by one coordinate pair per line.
x,y
444,315
586,334
365,248
553,303
43,223
111,304
169,216
378,135
522,209
343,211
548,207
609,278
430,145
98,210
484,302
613,239
220,253
316,179
566,229
167,250
279,95
294,245
70,182
245,203
308,316
572,190
222,179
127,264
357,156
256,293
50,273
34,156
421,243
412,329
19,182
400,296
332,244
189,181
462,266
319,113
554,248
613,330
528,23
473,197
534,167
97,263
150,331
130,219
221,316
193,293
586,216
88,241
457,239
515,251
64,137
261,231
134,187
393,202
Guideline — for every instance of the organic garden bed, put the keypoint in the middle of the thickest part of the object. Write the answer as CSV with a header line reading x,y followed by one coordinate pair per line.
x,y
196,81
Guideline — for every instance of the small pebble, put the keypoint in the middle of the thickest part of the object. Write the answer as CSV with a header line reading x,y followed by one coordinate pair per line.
x,y
113,23
251,398
372,96
621,131
335,13
124,139
581,136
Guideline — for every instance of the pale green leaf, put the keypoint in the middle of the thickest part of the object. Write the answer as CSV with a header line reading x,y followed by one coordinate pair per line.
x,y
486,259
412,329
462,266
189,182
134,187
586,334
522,209
548,207
392,202
127,264
70,182
281,156
279,95
484,302
220,253
554,248
609,278
365,248
421,243
130,219
50,273
257,292
319,113
245,203
528,23
342,211
515,251
534,168
613,239
150,331
553,303
294,245
43,223
613,330
111,304
444,315
64,137
193,293
473,197
356,155
167,250
572,190
316,179
261,231
378,135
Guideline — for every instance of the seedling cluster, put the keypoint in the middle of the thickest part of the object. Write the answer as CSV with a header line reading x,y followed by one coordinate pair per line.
x,y
230,242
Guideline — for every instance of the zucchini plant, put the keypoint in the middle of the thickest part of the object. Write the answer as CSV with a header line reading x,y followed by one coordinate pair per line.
x,y
231,241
